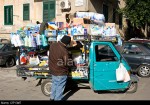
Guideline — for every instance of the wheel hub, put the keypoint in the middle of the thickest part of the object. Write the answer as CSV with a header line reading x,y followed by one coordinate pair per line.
x,y
47,88
144,71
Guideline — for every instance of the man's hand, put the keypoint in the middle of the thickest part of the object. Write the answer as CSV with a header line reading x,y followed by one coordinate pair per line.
x,y
73,42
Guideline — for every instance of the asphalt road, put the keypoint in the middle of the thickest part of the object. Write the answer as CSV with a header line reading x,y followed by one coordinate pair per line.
x,y
14,88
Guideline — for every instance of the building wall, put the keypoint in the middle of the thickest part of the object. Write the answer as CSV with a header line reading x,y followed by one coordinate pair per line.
x,y
97,6
60,15
1,12
36,11
35,14
121,4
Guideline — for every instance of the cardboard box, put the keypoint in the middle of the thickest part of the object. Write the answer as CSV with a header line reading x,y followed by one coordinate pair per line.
x,y
78,21
109,25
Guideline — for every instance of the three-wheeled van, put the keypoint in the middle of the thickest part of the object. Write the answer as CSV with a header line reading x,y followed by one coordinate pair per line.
x,y
99,72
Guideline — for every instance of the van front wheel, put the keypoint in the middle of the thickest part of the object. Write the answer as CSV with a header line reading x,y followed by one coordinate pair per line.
x,y
132,88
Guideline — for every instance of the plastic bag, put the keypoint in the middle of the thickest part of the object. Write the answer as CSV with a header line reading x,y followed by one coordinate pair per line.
x,y
120,72
19,41
38,40
34,60
99,17
44,40
96,30
127,77
26,41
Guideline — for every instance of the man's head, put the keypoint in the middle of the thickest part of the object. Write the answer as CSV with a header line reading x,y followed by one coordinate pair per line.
x,y
66,40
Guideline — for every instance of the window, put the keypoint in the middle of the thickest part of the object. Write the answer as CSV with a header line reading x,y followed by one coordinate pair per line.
x,y
114,15
48,10
26,12
120,21
1,46
8,15
7,48
105,12
132,49
104,53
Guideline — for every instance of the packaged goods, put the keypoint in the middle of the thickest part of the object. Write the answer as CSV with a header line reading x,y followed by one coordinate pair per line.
x,y
34,60
44,40
99,17
60,25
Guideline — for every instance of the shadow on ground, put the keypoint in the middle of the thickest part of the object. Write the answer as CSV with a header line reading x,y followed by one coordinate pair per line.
x,y
73,87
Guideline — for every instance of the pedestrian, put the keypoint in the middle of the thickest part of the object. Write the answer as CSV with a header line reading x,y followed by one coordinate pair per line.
x,y
43,27
38,24
59,67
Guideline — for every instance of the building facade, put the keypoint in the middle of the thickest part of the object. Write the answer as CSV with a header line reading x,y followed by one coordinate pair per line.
x,y
18,13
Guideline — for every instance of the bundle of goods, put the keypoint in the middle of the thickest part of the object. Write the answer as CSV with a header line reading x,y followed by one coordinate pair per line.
x,y
55,31
80,59
96,17
80,72
97,22
51,32
29,40
81,69
33,47
109,29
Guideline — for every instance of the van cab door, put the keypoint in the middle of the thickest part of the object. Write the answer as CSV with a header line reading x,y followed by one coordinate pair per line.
x,y
105,61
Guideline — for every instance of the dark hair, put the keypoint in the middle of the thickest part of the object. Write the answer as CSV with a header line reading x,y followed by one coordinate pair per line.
x,y
46,25
37,22
66,40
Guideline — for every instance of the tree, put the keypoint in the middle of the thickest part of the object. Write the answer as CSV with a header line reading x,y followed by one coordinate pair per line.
x,y
138,12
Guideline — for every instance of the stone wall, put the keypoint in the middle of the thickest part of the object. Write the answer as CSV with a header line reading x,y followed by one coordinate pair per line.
x,y
5,35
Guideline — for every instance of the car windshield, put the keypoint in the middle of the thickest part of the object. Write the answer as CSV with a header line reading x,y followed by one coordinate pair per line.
x,y
1,46
147,45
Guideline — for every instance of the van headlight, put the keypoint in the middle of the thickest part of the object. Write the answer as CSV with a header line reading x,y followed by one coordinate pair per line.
x,y
129,72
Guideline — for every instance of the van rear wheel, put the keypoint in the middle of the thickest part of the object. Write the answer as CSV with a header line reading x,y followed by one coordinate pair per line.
x,y
46,87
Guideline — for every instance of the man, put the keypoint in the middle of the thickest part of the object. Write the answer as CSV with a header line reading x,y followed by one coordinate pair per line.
x,y
43,27
58,63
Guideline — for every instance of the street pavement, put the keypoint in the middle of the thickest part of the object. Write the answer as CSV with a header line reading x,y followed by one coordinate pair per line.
x,y
14,88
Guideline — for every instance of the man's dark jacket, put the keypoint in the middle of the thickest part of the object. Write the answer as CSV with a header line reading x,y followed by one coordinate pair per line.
x,y
58,59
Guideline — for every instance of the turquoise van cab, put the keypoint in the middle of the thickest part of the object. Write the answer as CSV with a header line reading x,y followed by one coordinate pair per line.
x,y
104,60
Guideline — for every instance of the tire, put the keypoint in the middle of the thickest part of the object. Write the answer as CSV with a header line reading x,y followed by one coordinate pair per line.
x,y
144,71
132,88
46,87
10,62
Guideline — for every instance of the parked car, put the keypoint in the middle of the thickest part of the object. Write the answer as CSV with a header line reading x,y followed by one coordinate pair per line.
x,y
139,40
7,53
137,54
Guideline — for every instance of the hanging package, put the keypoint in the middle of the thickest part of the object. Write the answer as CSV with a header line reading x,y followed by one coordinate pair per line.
x,y
122,74
44,40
